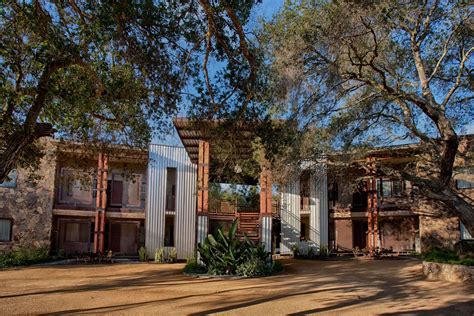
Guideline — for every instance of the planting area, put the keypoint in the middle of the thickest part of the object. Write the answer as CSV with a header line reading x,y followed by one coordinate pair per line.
x,y
353,287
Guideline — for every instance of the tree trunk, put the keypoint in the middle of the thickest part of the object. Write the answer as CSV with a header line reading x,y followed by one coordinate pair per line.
x,y
17,144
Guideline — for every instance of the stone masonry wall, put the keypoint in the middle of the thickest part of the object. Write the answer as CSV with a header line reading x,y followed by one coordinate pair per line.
x,y
437,231
29,205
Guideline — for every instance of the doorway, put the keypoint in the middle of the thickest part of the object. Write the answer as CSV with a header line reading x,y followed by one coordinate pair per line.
x,y
359,233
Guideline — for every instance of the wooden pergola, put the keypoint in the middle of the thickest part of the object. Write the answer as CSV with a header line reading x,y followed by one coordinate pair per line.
x,y
198,138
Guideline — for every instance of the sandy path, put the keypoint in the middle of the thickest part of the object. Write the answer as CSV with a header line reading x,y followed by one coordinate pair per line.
x,y
331,288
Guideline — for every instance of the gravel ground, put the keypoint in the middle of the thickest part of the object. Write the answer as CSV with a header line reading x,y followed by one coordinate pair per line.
x,y
387,287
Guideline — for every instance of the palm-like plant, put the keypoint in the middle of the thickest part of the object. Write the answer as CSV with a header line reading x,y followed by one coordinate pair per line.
x,y
225,252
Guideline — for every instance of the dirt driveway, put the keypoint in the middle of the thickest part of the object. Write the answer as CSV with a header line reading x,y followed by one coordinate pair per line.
x,y
332,287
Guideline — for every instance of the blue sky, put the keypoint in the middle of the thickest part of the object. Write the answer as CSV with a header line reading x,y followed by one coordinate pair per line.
x,y
264,10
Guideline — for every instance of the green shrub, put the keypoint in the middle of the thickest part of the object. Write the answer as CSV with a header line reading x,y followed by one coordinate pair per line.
x,y
253,267
172,255
323,252
142,254
226,254
311,254
446,256
25,256
160,255
277,266
194,267
296,250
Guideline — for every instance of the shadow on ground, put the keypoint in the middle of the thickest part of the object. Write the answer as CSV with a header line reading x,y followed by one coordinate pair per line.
x,y
306,287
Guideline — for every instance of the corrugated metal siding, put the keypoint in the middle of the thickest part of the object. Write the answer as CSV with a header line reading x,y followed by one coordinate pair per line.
x,y
319,208
162,157
290,216
266,232
203,229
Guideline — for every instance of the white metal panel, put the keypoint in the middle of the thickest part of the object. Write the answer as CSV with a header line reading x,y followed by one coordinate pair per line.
x,y
203,228
266,233
319,208
290,215
162,157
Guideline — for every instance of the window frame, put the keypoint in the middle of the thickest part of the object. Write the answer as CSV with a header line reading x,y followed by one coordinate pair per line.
x,y
13,182
471,184
10,237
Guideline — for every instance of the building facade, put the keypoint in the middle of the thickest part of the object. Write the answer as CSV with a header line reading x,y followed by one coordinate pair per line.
x,y
124,199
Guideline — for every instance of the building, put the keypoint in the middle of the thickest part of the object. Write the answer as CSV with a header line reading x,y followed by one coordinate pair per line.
x,y
123,199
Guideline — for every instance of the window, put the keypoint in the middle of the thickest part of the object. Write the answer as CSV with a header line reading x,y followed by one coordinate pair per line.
x,y
11,181
169,231
74,187
116,190
76,232
5,229
332,192
359,195
465,235
462,184
390,187
171,189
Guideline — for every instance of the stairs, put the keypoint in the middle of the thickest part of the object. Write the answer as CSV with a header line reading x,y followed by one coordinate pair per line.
x,y
249,224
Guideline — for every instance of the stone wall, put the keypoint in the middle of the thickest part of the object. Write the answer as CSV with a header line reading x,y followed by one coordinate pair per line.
x,y
438,232
29,204
448,272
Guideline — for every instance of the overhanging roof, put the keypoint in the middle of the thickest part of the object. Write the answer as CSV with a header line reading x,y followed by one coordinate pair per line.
x,y
191,132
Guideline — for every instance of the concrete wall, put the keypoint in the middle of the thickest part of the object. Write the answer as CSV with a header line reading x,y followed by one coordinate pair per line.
x,y
29,204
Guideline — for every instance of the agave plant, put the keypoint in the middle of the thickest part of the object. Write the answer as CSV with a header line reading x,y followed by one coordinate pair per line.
x,y
225,252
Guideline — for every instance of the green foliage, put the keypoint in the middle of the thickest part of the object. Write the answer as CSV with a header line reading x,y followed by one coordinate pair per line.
x,y
194,267
226,254
104,73
311,254
142,254
172,255
323,252
295,248
25,256
160,255
253,267
446,256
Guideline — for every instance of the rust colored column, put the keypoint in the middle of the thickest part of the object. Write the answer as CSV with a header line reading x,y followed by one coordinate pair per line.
x,y
369,218
205,188
200,175
98,203
269,192
103,203
375,213
203,177
265,192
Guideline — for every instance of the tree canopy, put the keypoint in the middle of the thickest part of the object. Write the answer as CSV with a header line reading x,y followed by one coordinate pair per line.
x,y
110,73
371,73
